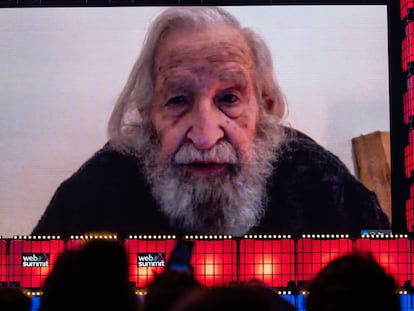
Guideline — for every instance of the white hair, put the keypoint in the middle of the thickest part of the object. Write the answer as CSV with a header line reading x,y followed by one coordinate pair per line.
x,y
132,107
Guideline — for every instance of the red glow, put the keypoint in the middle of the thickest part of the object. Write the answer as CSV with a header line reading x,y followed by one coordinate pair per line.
x,y
75,244
214,262
409,210
393,254
3,262
142,276
218,262
314,254
270,261
409,159
408,108
32,276
404,6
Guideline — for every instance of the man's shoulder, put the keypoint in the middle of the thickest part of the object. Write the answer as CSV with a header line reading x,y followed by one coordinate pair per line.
x,y
300,150
104,165
312,190
107,176
109,159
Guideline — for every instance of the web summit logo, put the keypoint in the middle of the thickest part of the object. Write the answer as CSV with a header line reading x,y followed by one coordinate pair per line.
x,y
151,259
35,260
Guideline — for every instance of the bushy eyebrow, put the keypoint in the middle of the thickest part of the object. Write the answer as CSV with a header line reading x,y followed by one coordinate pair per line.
x,y
186,83
178,84
236,77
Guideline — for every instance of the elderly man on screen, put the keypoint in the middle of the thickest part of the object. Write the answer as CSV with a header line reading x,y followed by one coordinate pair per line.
x,y
197,145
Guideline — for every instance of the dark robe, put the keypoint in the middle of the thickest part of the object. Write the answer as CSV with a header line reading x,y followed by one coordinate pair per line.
x,y
310,191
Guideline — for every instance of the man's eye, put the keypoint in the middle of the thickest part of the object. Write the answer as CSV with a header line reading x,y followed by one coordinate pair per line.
x,y
231,103
229,98
177,100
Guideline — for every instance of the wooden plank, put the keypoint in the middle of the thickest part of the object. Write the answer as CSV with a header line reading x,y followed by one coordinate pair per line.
x,y
372,160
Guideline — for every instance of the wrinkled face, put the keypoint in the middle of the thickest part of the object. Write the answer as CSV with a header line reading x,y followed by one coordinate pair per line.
x,y
204,94
208,149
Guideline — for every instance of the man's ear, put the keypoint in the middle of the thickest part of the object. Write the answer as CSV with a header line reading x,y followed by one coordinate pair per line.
x,y
273,107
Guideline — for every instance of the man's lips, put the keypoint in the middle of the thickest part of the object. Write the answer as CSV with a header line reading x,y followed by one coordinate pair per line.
x,y
206,169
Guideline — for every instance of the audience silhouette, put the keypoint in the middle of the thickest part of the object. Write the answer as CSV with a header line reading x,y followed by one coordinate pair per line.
x,y
354,282
233,297
59,288
14,299
95,277
167,288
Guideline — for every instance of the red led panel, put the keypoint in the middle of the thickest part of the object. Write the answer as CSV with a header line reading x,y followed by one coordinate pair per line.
x,y
404,6
407,47
411,277
75,244
314,254
394,254
410,82
408,106
215,262
147,257
409,30
404,54
31,261
270,261
409,159
409,214
409,210
408,100
3,261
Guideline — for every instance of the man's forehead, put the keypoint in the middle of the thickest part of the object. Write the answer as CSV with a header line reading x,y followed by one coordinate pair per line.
x,y
186,47
203,57
198,77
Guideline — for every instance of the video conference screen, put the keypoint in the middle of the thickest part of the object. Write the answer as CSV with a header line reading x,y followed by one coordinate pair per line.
x,y
63,68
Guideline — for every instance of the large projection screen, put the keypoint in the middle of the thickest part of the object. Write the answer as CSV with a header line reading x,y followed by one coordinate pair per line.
x,y
61,70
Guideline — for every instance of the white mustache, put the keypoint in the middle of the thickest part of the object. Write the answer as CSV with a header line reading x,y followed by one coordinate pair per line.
x,y
222,152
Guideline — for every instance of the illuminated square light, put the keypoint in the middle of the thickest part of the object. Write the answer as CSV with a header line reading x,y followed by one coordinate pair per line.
x,y
270,261
146,258
394,254
215,262
314,254
30,261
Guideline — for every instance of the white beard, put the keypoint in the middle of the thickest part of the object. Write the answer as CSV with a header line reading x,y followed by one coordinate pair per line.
x,y
228,204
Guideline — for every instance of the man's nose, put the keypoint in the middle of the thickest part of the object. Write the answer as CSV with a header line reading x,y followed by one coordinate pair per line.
x,y
205,130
